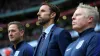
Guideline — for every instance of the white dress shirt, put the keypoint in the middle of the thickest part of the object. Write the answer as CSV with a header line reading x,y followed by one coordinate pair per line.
x,y
47,30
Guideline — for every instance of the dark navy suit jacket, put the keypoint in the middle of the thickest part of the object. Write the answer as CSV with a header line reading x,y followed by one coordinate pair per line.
x,y
85,45
55,43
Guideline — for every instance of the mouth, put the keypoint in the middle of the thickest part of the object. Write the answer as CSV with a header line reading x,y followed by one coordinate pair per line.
x,y
73,23
11,37
39,17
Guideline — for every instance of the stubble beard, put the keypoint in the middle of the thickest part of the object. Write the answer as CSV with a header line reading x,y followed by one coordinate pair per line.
x,y
43,22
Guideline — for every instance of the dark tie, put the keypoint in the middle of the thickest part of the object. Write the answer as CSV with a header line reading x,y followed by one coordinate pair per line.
x,y
43,37
40,44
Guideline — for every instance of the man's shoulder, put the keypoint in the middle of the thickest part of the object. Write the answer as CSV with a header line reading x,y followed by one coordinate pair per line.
x,y
97,35
25,44
59,29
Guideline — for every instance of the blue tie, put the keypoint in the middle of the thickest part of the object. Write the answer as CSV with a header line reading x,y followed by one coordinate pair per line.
x,y
43,37
39,51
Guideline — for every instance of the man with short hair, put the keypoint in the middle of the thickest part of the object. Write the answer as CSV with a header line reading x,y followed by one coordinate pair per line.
x,y
16,34
55,39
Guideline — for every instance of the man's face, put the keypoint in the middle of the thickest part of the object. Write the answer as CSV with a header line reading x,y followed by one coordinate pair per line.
x,y
14,34
43,14
79,19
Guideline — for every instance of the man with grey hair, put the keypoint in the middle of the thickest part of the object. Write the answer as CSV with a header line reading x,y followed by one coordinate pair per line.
x,y
84,21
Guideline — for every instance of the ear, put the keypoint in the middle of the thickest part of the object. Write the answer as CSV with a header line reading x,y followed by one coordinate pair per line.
x,y
53,15
22,32
90,19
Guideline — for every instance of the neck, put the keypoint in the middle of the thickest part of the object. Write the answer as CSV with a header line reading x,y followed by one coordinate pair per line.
x,y
15,43
48,24
85,29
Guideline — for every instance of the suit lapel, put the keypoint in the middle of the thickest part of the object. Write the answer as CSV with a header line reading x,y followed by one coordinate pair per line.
x,y
46,42
37,45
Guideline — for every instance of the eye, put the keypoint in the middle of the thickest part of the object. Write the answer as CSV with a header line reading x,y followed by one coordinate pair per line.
x,y
78,14
8,31
42,10
11,31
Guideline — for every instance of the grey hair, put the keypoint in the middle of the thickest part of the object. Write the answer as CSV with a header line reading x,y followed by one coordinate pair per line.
x,y
92,11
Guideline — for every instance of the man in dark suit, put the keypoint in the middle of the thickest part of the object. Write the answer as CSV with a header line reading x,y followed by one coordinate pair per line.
x,y
56,39
84,21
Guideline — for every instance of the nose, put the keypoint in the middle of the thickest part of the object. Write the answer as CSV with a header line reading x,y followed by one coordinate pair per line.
x,y
73,17
10,34
38,14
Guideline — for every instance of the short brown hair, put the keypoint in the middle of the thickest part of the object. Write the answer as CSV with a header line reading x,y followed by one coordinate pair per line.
x,y
19,25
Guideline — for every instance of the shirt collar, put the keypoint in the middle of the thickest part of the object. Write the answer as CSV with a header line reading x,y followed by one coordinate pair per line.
x,y
47,30
17,46
86,31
